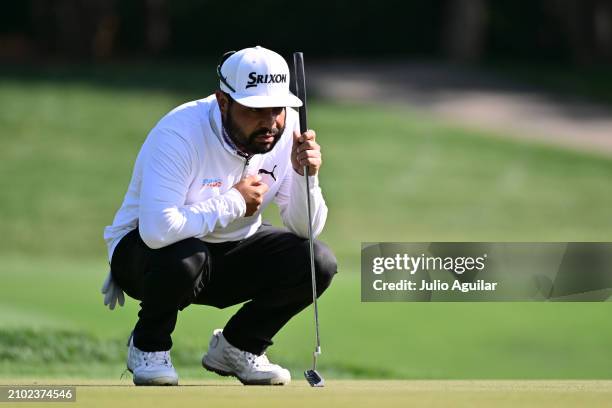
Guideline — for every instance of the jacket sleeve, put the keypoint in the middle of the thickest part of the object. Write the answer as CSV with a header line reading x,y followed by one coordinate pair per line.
x,y
291,200
168,170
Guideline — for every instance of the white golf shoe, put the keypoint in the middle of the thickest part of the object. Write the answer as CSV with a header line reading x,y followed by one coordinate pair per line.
x,y
150,367
251,369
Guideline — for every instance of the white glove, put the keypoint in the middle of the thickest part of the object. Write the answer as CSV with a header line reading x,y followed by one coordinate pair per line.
x,y
112,293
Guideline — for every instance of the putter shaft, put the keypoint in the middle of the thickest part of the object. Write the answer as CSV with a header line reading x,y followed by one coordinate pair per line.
x,y
312,376
317,351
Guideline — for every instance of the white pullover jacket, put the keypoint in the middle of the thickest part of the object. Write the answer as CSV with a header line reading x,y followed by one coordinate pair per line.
x,y
183,178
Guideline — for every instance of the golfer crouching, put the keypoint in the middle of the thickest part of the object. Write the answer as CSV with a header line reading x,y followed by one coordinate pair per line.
x,y
190,230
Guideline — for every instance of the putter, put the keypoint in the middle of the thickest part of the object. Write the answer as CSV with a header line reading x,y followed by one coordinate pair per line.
x,y
312,376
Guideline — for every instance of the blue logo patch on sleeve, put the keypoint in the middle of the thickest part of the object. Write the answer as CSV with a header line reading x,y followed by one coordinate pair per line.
x,y
212,182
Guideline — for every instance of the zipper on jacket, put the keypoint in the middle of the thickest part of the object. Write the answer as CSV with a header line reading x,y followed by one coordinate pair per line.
x,y
247,159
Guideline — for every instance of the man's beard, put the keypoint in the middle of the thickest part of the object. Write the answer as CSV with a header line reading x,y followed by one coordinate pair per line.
x,y
248,143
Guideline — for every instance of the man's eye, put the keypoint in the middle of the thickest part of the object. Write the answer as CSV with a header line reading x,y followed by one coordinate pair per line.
x,y
275,111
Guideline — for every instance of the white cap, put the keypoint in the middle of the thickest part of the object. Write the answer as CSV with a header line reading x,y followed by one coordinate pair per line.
x,y
257,78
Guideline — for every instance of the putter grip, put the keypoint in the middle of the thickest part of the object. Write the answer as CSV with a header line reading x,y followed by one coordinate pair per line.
x,y
300,88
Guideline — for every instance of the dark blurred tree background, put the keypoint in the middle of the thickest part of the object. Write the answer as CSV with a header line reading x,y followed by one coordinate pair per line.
x,y
565,31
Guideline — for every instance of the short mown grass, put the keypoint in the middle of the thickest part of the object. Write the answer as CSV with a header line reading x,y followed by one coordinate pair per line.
x,y
67,148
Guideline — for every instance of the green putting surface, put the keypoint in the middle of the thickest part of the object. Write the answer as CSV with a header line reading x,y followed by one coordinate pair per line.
x,y
344,393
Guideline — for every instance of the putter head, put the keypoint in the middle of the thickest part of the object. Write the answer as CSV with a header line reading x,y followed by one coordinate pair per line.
x,y
314,378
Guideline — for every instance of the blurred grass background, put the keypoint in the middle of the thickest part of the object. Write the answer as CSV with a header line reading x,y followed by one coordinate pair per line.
x,y
69,137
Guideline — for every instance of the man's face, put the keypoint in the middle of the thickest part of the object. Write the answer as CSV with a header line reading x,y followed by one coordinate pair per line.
x,y
254,130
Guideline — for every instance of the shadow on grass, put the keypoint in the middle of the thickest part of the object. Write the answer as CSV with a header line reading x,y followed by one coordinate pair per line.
x,y
194,79
38,350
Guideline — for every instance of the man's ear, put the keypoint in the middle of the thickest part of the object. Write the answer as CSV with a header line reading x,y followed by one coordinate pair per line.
x,y
222,101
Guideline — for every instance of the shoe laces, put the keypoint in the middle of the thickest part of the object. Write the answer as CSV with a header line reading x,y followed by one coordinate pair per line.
x,y
256,360
156,358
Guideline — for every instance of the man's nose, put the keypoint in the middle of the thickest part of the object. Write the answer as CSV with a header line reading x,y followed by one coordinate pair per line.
x,y
270,118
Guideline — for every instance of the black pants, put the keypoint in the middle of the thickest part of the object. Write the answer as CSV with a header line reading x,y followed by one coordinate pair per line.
x,y
270,271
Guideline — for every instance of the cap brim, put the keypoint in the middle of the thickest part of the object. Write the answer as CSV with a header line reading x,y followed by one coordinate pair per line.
x,y
268,101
